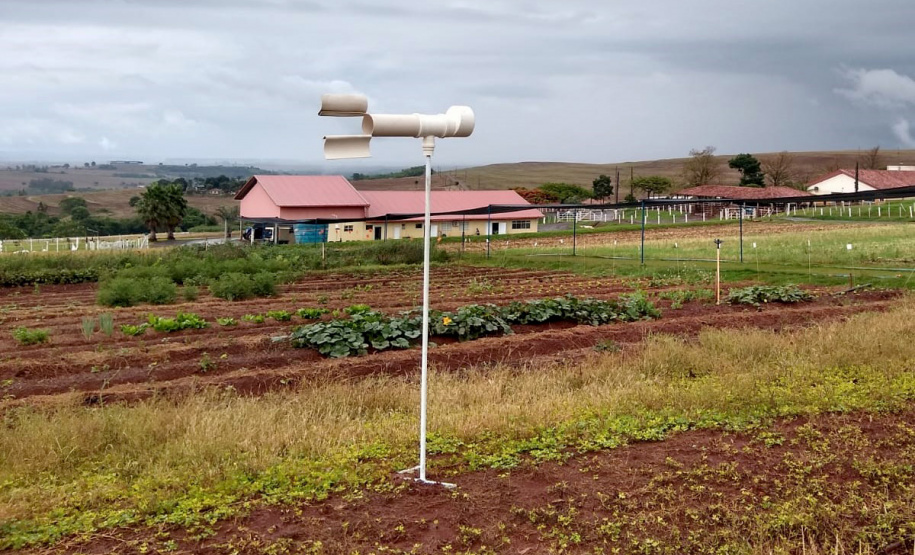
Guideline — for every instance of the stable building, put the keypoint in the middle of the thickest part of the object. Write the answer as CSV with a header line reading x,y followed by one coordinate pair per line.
x,y
294,203
757,201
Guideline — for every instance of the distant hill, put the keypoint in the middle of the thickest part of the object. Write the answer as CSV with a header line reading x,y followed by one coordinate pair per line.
x,y
107,176
807,165
115,203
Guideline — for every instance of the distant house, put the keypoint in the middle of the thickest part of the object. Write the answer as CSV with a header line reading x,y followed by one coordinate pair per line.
x,y
843,181
290,201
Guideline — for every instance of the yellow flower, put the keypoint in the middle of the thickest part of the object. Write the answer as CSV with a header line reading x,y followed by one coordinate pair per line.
x,y
446,320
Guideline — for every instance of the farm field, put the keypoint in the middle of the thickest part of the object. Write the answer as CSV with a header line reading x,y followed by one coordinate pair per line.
x,y
673,433
245,357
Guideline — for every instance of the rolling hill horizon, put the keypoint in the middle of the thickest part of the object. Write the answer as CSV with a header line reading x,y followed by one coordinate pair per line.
x,y
114,200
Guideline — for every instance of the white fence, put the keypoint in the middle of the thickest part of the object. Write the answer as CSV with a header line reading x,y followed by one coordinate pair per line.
x,y
72,244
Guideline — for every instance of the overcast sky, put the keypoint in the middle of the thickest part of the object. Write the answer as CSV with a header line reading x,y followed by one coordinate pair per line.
x,y
577,80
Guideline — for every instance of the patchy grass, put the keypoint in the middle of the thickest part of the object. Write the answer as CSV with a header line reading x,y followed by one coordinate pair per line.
x,y
191,461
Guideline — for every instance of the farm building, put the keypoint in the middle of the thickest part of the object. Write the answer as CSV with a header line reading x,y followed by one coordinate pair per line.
x,y
843,181
293,202
727,192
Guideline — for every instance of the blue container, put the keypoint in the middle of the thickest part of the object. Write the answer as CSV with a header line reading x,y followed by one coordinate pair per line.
x,y
310,233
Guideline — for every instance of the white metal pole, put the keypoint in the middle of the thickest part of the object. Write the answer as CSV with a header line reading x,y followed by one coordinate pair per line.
x,y
428,149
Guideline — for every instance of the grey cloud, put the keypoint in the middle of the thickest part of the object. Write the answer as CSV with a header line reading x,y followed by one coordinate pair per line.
x,y
580,80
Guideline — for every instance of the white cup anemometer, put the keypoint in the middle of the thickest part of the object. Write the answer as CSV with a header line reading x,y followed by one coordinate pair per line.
x,y
457,121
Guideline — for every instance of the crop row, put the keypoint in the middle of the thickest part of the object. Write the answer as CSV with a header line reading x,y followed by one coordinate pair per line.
x,y
365,328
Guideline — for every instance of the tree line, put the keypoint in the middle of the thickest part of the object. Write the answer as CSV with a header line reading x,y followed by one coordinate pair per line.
x,y
702,167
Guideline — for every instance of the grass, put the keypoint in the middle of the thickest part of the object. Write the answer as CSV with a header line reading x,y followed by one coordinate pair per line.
x,y
892,211
190,461
880,254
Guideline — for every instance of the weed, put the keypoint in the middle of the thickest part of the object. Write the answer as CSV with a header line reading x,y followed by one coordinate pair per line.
x,y
607,346
190,292
206,363
26,336
322,299
480,286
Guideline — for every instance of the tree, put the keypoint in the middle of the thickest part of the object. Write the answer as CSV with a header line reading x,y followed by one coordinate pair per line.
x,y
79,214
567,193
779,169
229,215
67,205
602,187
750,172
702,167
652,184
871,159
162,205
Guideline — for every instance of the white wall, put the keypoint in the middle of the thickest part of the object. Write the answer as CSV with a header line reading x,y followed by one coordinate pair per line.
x,y
838,184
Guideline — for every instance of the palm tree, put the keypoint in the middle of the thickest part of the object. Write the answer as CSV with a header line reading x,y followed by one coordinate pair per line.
x,y
162,204
229,215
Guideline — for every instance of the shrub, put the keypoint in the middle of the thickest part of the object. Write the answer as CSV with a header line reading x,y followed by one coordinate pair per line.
x,y
119,292
264,284
190,292
26,336
124,291
236,286
159,290
757,294
232,287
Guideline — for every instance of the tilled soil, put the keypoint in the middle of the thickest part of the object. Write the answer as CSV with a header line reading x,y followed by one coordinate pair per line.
x,y
826,484
248,358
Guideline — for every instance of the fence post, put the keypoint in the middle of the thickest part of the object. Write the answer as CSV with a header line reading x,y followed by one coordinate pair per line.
x,y
642,249
574,233
741,232
488,228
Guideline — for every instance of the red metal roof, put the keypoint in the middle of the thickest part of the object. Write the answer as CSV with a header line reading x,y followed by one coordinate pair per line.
x,y
878,179
414,202
306,190
730,191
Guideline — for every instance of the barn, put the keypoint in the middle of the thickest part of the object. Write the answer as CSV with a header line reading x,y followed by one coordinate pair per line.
x,y
293,202
843,181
